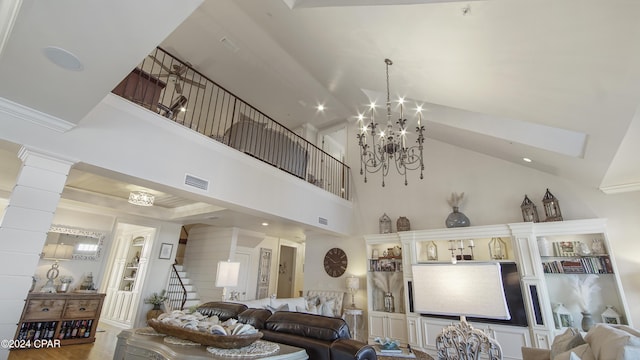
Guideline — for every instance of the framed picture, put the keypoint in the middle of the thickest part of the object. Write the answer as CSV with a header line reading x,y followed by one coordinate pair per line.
x,y
165,251
264,269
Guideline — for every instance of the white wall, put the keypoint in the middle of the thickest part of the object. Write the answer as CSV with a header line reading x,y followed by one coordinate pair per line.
x,y
494,190
125,129
79,268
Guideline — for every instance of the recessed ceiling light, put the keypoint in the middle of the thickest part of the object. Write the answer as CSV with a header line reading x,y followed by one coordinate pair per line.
x,y
265,224
320,107
63,58
526,159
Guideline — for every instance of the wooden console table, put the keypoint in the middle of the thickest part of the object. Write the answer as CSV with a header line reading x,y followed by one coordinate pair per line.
x,y
71,318
134,346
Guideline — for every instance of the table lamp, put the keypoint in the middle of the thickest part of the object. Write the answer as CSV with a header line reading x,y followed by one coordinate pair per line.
x,y
55,252
353,284
227,276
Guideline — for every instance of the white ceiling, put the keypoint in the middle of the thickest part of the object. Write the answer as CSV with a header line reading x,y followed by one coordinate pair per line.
x,y
555,81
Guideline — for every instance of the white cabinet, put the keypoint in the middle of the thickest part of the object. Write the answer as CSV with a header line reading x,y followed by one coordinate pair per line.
x,y
385,288
567,254
391,325
549,258
510,338
413,331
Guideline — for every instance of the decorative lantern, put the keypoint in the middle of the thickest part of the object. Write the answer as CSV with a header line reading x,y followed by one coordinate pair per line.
x,y
562,317
497,248
403,224
610,316
529,211
432,251
385,224
551,207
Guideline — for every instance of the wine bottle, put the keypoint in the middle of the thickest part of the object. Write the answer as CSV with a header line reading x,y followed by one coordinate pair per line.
x,y
23,331
38,332
83,328
74,332
88,332
63,331
67,334
31,331
52,330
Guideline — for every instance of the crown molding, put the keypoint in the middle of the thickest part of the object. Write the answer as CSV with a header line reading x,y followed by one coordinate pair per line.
x,y
617,189
34,116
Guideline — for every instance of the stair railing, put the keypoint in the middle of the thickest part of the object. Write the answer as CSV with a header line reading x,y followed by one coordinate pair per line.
x,y
176,291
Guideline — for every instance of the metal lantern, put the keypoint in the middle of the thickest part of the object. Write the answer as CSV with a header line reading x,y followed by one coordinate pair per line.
x,y
551,207
529,211
385,224
497,248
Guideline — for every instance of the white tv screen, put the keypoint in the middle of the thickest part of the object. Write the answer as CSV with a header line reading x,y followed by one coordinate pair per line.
x,y
462,289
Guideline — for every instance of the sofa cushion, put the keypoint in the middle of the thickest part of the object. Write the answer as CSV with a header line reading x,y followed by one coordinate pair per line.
x,y
223,310
581,352
613,342
254,317
565,342
308,325
316,349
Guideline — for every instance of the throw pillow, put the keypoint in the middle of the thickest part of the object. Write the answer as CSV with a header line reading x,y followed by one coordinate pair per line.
x,y
327,308
292,302
561,342
309,310
312,301
332,310
609,342
283,307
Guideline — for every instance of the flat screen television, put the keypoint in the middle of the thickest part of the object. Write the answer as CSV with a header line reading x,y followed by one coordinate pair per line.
x,y
512,291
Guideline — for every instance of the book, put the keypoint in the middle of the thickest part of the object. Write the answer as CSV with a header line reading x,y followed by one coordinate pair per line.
x,y
391,351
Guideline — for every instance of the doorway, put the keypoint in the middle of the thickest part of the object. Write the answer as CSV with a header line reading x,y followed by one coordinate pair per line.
x,y
286,271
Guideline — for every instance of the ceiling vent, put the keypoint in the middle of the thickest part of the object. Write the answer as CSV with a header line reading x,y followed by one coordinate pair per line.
x,y
195,182
323,221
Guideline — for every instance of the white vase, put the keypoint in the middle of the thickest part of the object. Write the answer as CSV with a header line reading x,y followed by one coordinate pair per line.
x,y
544,247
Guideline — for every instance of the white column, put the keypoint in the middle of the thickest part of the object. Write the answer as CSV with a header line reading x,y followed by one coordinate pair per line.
x,y
23,230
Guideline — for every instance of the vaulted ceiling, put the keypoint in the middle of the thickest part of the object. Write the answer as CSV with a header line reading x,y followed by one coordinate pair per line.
x,y
554,81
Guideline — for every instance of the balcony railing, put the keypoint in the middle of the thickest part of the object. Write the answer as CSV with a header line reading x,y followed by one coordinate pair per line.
x,y
172,88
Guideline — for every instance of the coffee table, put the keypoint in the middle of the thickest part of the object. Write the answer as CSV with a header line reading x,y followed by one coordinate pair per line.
x,y
135,346
405,355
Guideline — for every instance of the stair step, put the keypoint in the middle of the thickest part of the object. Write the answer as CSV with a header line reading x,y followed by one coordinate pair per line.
x,y
191,302
179,267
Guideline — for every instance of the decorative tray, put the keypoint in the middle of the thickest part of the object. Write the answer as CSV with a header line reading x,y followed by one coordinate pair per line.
x,y
200,337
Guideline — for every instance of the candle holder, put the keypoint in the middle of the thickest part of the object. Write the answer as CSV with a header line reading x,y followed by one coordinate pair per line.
x,y
461,248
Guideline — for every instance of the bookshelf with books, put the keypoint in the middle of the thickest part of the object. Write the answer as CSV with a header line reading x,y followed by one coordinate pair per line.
x,y
575,258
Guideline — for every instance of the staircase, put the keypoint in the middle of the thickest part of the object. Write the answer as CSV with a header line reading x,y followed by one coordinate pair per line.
x,y
175,290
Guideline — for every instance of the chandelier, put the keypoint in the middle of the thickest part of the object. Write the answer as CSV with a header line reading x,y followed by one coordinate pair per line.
x,y
141,198
387,147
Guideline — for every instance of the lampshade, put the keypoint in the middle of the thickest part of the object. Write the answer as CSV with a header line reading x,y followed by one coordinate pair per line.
x,y
463,289
141,198
353,283
227,274
57,252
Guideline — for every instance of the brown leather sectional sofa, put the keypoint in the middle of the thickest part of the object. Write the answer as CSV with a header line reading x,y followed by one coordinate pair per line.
x,y
323,337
